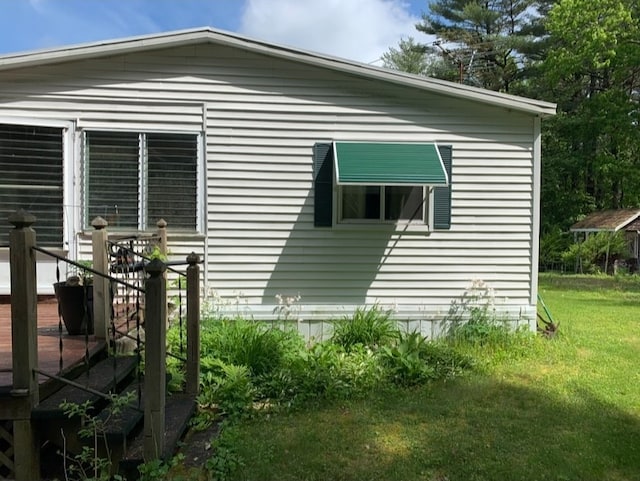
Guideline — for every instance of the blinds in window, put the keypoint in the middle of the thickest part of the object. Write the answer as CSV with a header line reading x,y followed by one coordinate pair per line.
x,y
172,161
31,166
112,162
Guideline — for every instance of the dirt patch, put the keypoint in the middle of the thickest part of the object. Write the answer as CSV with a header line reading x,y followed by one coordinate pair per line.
x,y
196,446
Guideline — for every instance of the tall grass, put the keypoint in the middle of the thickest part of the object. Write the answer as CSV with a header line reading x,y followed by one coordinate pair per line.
x,y
370,327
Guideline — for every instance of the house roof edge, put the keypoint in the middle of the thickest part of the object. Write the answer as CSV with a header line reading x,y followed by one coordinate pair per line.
x,y
209,35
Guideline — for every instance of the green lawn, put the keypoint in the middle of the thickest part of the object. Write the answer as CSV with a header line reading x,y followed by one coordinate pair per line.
x,y
561,409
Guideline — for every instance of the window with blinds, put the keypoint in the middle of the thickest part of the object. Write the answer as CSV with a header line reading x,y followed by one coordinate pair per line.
x,y
134,179
31,160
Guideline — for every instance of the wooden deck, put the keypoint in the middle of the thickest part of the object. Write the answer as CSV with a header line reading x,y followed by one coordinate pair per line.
x,y
73,347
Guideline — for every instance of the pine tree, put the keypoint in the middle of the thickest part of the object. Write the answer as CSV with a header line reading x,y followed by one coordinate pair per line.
x,y
491,43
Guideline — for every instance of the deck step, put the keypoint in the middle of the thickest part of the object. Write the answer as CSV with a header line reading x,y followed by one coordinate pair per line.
x,y
101,377
179,409
119,426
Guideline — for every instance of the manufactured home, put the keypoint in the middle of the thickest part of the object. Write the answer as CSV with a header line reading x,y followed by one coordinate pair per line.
x,y
296,176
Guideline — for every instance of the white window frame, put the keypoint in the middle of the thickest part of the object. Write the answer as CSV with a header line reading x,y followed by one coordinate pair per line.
x,y
425,221
69,200
142,168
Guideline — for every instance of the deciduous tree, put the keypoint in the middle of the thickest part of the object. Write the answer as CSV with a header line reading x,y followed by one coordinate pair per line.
x,y
591,150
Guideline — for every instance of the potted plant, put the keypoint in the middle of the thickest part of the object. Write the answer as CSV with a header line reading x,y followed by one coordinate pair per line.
x,y
75,300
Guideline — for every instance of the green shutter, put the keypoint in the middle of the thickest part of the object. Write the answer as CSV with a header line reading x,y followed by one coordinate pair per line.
x,y
442,195
323,184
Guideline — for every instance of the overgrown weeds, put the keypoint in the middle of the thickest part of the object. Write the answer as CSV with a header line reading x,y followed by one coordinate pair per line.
x,y
251,368
556,409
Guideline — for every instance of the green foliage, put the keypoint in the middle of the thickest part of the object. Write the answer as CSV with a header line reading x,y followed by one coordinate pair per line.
x,y
89,464
413,58
414,360
593,35
552,245
225,460
480,331
591,150
227,386
257,346
404,360
570,401
490,44
370,327
158,469
596,252
330,371
156,253
174,365
473,325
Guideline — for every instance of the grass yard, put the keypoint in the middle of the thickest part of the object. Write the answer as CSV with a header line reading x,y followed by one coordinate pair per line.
x,y
561,409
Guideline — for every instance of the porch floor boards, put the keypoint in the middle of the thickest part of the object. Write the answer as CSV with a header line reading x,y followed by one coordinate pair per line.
x,y
73,351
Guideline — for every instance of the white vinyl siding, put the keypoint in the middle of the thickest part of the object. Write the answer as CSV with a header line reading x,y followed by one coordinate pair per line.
x,y
262,117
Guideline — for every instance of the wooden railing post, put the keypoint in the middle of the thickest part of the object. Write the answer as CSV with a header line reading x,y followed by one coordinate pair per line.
x,y
193,325
155,359
101,285
24,341
162,234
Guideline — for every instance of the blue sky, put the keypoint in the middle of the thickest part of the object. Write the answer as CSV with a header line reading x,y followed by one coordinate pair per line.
x,y
355,29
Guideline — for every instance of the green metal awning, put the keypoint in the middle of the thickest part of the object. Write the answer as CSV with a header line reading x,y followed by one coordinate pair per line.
x,y
377,163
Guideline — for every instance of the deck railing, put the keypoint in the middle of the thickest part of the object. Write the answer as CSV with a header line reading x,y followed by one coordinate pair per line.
x,y
23,247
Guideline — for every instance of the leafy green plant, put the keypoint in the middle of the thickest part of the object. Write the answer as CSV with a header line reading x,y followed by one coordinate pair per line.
x,y
596,252
227,386
159,469
480,331
80,275
552,246
175,364
330,371
225,460
89,464
257,346
370,327
415,360
404,362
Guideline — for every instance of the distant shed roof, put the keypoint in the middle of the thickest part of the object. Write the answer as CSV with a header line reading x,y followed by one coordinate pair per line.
x,y
607,220
634,225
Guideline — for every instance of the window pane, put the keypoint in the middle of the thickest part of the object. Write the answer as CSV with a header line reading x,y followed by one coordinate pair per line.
x,y
31,166
172,162
403,203
360,202
111,163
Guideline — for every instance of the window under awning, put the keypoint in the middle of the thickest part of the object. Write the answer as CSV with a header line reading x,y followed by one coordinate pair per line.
x,y
378,163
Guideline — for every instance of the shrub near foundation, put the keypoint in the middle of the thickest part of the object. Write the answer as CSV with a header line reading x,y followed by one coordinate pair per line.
x,y
370,327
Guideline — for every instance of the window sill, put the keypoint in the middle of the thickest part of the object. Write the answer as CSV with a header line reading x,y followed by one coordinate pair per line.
x,y
399,228
171,234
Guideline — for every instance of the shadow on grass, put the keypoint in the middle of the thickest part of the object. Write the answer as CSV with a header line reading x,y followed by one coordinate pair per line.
x,y
476,429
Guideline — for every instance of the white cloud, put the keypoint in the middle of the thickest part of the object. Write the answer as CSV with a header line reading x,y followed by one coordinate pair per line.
x,y
355,29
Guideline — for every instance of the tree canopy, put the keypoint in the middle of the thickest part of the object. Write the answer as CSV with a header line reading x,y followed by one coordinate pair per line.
x,y
488,42
582,54
591,150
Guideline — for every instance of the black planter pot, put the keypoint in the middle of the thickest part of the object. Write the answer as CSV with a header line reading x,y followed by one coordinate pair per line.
x,y
73,307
